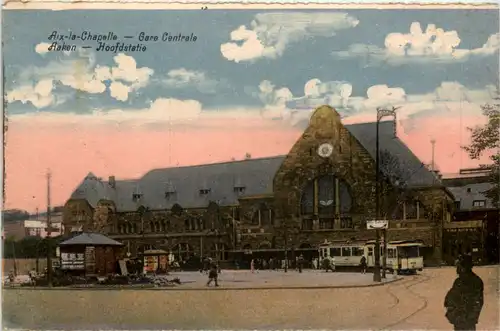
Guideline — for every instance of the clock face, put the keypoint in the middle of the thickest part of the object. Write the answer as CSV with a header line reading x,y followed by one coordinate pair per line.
x,y
325,150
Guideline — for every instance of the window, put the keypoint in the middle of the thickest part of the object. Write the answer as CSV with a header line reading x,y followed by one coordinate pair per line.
x,y
169,195
469,190
457,205
136,196
204,191
239,189
346,251
335,251
326,223
370,251
391,253
478,203
307,224
326,195
357,251
307,200
346,223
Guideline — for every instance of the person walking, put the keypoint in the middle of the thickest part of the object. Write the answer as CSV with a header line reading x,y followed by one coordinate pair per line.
x,y
464,301
213,275
252,266
362,263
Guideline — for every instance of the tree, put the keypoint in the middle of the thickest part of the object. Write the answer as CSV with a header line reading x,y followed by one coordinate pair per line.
x,y
397,175
12,215
485,139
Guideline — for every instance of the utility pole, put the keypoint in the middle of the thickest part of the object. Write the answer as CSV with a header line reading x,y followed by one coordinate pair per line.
x,y
433,143
381,113
49,232
286,247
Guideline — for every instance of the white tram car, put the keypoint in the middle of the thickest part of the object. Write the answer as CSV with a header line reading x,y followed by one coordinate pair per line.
x,y
402,256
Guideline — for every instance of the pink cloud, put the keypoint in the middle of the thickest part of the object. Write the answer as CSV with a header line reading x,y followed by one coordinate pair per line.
x,y
72,151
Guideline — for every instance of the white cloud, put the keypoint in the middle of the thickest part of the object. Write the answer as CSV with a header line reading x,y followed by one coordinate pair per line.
x,y
183,78
274,99
270,33
42,48
432,45
80,74
447,98
40,95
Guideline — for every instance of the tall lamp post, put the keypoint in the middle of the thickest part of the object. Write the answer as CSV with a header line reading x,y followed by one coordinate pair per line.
x,y
381,113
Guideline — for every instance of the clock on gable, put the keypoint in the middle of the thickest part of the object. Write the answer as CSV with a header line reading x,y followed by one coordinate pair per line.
x,y
325,150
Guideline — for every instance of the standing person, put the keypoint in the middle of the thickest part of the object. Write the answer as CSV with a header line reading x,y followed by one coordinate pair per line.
x,y
333,263
464,301
252,266
300,263
212,275
362,263
315,263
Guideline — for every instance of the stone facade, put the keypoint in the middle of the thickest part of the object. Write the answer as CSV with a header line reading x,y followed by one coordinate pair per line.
x,y
262,222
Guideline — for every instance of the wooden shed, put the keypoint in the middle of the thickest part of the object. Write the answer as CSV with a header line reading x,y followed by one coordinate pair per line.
x,y
90,254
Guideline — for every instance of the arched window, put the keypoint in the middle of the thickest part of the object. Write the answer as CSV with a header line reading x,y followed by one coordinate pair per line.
x,y
333,196
307,200
134,228
152,226
326,195
129,228
345,197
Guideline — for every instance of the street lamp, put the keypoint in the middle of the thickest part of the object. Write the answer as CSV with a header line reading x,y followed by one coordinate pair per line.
x,y
381,113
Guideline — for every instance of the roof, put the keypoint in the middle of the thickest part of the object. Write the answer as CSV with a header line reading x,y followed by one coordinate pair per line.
x,y
255,175
91,239
467,194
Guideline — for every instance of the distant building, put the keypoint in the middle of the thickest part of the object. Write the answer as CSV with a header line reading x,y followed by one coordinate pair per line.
x,y
323,189
474,225
35,226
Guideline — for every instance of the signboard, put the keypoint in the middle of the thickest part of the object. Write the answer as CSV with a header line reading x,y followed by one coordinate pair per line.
x,y
150,263
72,261
377,224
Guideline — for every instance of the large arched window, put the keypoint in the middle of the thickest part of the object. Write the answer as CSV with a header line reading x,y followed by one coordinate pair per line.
x,y
326,195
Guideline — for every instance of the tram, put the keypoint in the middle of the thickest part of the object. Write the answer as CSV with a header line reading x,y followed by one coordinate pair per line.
x,y
402,256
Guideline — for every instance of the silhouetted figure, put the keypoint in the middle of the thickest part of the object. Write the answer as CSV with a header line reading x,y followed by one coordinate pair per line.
x,y
300,263
464,301
362,263
213,275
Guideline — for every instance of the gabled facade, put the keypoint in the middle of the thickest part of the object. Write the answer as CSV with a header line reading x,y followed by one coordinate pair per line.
x,y
474,226
323,189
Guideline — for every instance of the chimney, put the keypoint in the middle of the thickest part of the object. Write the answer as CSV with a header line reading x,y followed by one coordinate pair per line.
x,y
112,181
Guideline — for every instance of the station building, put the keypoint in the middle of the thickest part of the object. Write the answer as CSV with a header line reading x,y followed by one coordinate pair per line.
x,y
322,190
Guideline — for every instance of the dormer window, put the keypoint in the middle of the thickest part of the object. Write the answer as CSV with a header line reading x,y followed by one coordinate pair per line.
x,y
478,203
169,190
204,191
469,190
136,196
239,189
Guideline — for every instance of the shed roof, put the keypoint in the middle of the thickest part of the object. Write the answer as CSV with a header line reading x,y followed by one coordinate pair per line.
x,y
90,239
255,175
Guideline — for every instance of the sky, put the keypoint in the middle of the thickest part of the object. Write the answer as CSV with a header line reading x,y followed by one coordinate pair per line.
x,y
240,81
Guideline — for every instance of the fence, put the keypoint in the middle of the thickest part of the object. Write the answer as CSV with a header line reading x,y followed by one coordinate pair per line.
x,y
23,265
